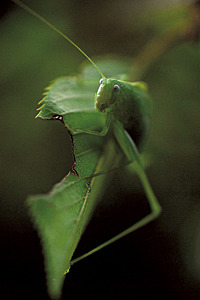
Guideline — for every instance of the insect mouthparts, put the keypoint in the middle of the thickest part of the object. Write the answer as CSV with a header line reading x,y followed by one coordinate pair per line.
x,y
102,107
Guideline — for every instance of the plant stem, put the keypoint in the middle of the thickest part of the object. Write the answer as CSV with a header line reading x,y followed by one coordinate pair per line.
x,y
189,31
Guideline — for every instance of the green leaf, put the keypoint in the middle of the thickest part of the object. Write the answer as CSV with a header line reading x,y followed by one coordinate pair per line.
x,y
62,215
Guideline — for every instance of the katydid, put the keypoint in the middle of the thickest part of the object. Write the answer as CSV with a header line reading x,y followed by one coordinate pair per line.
x,y
127,108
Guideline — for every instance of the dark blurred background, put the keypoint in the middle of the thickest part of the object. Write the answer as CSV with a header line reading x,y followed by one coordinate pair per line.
x,y
160,261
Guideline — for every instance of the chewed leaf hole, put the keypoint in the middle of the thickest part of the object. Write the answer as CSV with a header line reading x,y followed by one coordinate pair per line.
x,y
57,117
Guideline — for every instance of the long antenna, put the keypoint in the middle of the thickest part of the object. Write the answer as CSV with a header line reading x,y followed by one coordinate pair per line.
x,y
32,12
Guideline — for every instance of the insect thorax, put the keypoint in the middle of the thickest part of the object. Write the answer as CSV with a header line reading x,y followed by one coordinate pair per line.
x,y
133,110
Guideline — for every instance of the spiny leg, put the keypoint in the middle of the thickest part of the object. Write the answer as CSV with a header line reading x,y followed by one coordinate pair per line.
x,y
129,148
132,154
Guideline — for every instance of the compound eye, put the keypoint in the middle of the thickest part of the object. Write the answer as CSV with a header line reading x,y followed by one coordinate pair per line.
x,y
116,88
101,81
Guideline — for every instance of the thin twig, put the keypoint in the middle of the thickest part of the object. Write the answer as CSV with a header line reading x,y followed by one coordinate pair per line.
x,y
170,39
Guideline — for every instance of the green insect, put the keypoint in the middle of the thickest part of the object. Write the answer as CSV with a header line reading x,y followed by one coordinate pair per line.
x,y
127,108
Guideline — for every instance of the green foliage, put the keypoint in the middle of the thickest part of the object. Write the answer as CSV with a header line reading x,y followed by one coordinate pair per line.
x,y
33,154
62,215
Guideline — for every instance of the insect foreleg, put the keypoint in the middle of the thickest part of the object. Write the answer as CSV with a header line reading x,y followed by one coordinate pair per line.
x,y
101,133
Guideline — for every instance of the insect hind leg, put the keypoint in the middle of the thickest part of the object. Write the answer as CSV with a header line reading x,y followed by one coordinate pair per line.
x,y
132,154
